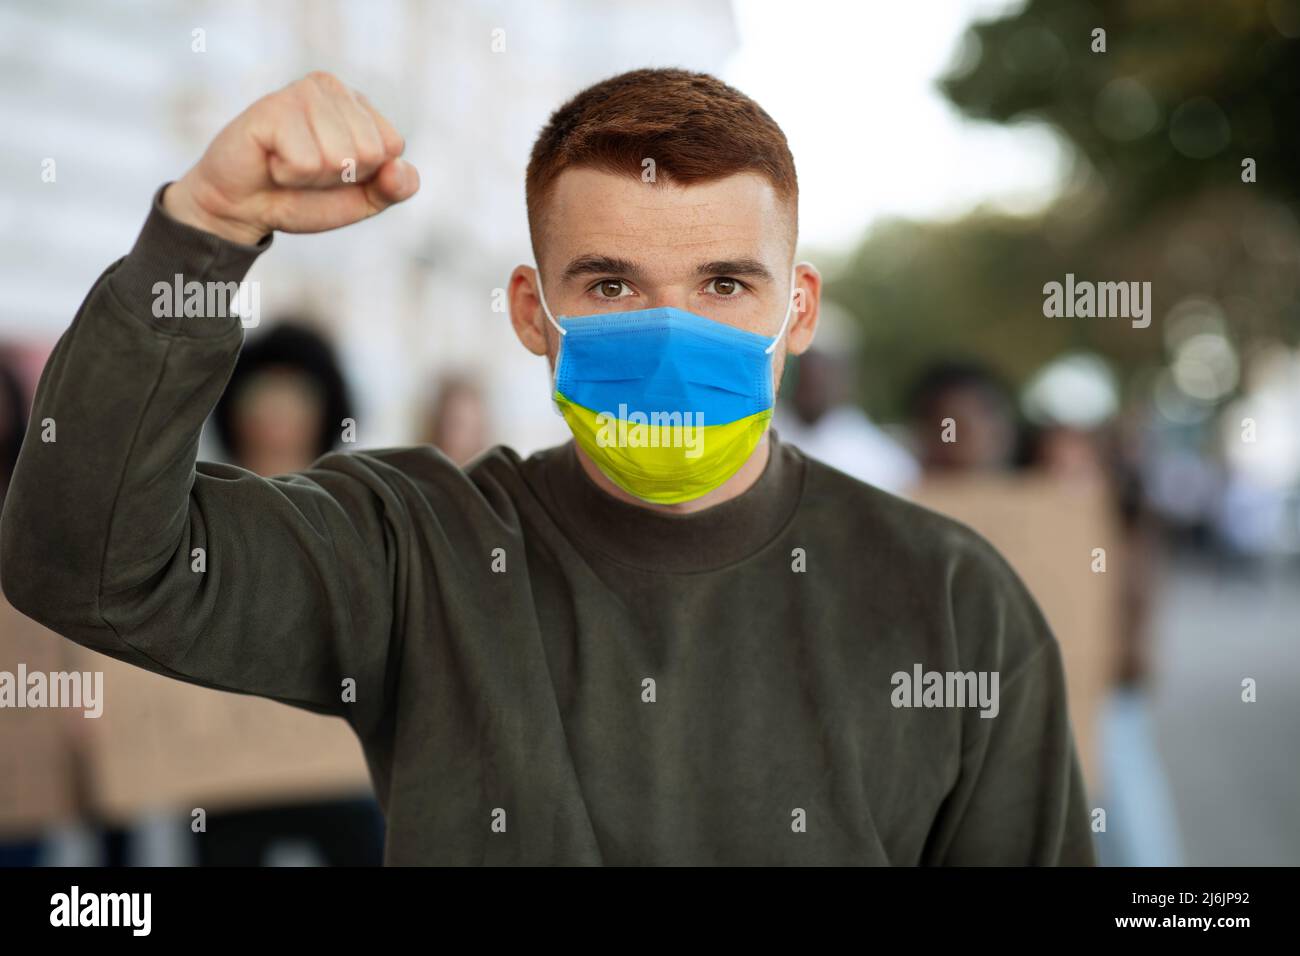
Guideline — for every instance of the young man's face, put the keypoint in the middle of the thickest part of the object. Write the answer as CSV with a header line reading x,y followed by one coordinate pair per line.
x,y
610,243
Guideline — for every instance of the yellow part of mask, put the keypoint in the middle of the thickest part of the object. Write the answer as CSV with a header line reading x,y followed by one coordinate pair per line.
x,y
662,461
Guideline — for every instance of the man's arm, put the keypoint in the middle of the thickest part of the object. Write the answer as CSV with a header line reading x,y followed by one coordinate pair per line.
x,y
1020,798
113,537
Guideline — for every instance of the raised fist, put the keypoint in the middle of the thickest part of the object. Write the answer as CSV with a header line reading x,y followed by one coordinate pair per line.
x,y
310,157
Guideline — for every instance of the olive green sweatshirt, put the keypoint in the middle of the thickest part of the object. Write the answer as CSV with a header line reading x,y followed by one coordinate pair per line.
x,y
814,672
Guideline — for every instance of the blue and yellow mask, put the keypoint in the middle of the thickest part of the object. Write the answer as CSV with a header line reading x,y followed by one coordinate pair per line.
x,y
667,403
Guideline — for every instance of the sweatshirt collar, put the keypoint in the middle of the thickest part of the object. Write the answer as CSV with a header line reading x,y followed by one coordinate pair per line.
x,y
672,543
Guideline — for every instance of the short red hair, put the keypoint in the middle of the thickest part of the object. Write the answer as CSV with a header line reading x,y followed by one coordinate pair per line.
x,y
695,127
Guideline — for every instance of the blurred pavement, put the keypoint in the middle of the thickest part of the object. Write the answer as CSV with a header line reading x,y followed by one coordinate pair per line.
x,y
1232,766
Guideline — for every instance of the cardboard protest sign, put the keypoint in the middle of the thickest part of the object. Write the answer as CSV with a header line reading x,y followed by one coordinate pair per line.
x,y
38,744
163,743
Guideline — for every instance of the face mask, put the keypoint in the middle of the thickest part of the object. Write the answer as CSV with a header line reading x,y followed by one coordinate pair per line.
x,y
667,403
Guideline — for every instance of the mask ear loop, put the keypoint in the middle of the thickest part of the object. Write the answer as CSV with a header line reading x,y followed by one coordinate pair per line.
x,y
541,297
555,369
789,311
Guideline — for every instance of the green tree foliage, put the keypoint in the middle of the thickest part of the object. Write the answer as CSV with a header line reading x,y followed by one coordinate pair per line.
x,y
1159,124
1183,92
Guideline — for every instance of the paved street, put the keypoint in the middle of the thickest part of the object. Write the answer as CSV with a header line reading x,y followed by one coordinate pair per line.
x,y
1233,767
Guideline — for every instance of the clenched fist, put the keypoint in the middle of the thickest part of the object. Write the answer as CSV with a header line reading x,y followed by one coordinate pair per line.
x,y
310,157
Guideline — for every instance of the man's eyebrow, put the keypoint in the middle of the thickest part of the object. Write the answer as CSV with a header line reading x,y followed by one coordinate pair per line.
x,y
587,265
750,268
599,265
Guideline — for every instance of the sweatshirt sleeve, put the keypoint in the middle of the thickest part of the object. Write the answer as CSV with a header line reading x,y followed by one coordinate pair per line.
x,y
114,537
1019,799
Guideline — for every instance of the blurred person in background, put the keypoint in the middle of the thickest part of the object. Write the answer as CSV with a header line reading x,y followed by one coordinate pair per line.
x,y
1085,440
38,747
457,421
821,418
1106,454
286,400
1141,813
963,419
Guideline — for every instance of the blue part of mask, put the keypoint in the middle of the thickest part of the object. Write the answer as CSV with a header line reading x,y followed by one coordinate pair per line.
x,y
664,360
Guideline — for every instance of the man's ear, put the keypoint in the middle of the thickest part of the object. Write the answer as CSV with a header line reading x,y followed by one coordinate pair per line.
x,y
526,313
807,307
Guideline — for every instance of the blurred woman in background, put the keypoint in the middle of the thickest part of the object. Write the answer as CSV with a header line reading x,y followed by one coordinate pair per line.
x,y
457,422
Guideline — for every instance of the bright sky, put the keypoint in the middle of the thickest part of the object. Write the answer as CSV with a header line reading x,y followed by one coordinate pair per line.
x,y
852,84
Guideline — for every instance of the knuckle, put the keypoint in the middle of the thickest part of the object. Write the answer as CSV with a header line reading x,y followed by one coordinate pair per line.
x,y
292,99
323,79
369,154
299,167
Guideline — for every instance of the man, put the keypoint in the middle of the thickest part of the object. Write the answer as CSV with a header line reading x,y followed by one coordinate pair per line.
x,y
673,640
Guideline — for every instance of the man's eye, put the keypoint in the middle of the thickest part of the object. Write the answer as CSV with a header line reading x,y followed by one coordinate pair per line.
x,y
724,287
611,288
